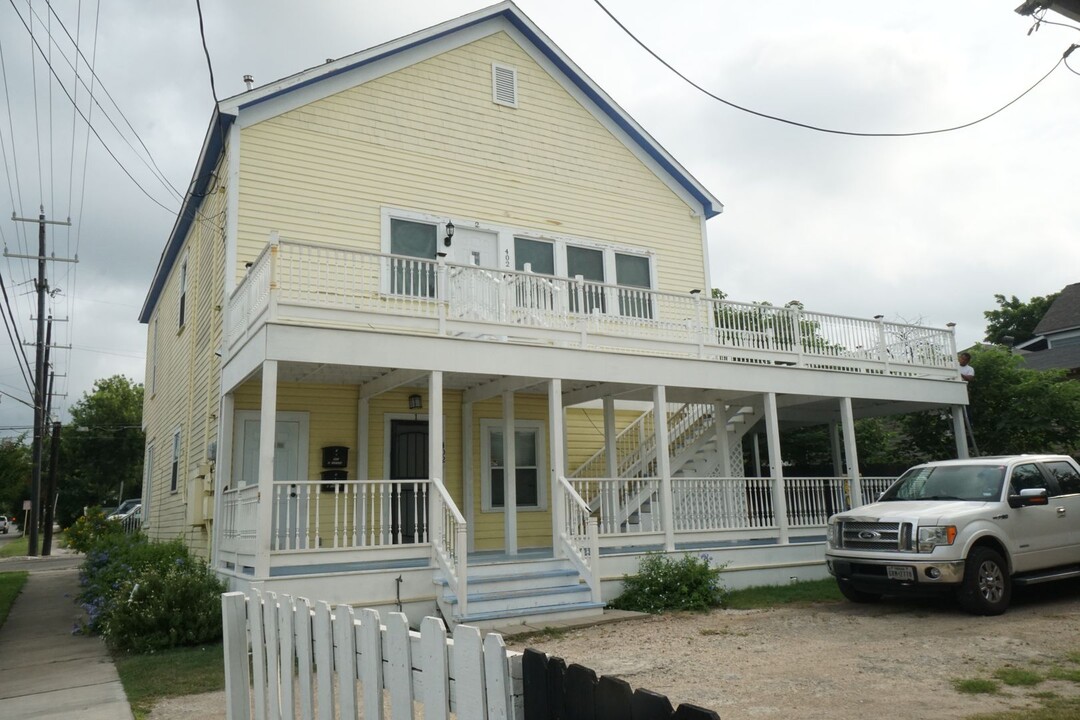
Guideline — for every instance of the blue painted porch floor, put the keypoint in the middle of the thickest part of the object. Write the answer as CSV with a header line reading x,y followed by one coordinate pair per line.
x,y
485,557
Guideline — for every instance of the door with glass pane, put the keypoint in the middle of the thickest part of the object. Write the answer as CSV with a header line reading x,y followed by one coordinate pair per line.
x,y
408,500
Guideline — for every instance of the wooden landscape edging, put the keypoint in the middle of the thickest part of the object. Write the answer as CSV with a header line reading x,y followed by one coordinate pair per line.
x,y
553,691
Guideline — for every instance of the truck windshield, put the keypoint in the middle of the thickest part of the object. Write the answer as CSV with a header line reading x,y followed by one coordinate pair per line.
x,y
977,483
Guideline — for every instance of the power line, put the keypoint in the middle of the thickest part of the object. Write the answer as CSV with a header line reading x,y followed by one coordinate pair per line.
x,y
92,129
816,128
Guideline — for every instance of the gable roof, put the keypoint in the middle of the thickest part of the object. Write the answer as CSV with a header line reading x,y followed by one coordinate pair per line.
x,y
303,83
1064,312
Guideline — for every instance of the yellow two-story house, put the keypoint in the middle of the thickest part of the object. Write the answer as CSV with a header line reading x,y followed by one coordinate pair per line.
x,y
390,265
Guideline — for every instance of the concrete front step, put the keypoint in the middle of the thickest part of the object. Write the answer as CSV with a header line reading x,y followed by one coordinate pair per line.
x,y
531,616
512,600
516,581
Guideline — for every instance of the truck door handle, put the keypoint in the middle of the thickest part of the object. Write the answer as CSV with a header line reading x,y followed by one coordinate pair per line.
x,y
1061,512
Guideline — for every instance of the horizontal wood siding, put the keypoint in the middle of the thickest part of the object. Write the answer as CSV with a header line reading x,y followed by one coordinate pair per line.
x,y
186,393
429,138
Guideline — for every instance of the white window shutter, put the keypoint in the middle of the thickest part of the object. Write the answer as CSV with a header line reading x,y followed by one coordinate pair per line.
x,y
504,85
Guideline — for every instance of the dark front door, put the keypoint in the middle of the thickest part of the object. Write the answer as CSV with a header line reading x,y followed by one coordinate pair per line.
x,y
408,461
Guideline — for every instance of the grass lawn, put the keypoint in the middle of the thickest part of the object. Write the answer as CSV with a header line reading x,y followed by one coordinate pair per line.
x,y
170,673
772,595
11,584
15,548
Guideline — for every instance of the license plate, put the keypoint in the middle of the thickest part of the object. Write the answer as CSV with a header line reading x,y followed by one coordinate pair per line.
x,y
900,572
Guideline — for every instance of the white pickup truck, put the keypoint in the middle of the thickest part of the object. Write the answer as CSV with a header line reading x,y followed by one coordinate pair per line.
x,y
973,527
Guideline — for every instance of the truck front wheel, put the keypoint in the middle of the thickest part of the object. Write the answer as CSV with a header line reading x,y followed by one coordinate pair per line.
x,y
987,588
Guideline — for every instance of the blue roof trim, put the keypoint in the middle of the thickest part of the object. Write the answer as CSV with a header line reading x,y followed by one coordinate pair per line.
x,y
690,185
214,146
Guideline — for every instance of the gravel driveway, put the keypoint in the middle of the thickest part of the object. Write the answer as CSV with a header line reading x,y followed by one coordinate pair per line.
x,y
837,660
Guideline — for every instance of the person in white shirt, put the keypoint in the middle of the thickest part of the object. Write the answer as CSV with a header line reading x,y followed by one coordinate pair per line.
x,y
967,373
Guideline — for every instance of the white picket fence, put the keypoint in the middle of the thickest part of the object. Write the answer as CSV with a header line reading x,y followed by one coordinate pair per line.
x,y
286,659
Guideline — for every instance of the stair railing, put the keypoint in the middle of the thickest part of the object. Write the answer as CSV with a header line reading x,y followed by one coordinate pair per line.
x,y
450,542
579,537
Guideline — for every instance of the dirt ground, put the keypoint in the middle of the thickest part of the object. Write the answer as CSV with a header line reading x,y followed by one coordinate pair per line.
x,y
819,662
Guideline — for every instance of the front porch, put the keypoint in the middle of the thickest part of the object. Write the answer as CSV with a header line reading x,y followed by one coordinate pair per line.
x,y
435,371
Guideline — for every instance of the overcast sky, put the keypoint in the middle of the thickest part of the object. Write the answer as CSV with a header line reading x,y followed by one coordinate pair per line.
x,y
920,229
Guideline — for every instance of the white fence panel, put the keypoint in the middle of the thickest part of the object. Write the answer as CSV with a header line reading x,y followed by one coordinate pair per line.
x,y
300,655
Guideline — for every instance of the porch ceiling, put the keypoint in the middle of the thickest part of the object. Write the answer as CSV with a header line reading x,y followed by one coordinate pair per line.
x,y
794,410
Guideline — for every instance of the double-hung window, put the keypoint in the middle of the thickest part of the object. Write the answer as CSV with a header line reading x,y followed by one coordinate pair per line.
x,y
413,272
634,281
528,468
588,263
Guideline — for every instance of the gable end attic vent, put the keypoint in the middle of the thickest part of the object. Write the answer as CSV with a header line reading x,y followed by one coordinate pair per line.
x,y
504,85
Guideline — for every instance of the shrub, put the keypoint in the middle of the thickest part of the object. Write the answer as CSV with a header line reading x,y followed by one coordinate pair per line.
x,y
85,532
663,583
143,596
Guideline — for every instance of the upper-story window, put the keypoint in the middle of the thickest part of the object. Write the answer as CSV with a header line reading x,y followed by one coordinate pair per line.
x,y
634,279
414,240
181,307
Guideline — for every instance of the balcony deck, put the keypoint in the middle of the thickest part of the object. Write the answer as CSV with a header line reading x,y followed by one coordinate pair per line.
x,y
304,283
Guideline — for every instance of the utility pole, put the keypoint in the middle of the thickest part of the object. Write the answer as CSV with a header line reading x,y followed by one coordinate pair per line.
x,y
39,373
50,494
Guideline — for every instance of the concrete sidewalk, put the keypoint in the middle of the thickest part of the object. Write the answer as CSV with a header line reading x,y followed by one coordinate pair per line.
x,y
45,671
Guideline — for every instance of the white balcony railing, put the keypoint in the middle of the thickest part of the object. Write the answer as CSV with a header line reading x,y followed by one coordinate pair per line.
x,y
629,506
300,281
318,514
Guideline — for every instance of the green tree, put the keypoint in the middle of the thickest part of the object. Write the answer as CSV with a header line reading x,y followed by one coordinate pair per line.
x,y
14,475
102,448
1015,318
1013,409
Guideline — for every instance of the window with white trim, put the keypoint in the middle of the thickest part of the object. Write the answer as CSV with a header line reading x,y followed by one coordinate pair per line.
x,y
634,279
529,466
174,470
413,239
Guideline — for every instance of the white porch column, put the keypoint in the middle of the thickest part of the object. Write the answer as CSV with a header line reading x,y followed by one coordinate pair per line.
x,y
834,442
959,428
757,454
363,431
776,467
467,471
556,443
723,441
267,441
223,473
610,451
435,446
663,466
851,451
509,476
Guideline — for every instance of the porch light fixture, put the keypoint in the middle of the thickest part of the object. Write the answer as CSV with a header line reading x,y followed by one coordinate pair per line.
x,y
415,402
449,233
878,317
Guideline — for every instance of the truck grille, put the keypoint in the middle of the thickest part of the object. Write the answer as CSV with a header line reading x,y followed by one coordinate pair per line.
x,y
888,537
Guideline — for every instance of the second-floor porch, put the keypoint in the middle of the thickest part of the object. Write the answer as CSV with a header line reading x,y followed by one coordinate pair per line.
x,y
302,283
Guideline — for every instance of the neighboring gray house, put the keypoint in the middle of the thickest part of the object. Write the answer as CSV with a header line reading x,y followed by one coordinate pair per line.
x,y
1056,344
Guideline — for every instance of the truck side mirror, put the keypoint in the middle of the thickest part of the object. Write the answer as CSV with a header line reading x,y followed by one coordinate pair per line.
x,y
1028,497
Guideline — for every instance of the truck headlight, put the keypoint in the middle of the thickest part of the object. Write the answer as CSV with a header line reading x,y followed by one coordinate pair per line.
x,y
834,534
932,536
